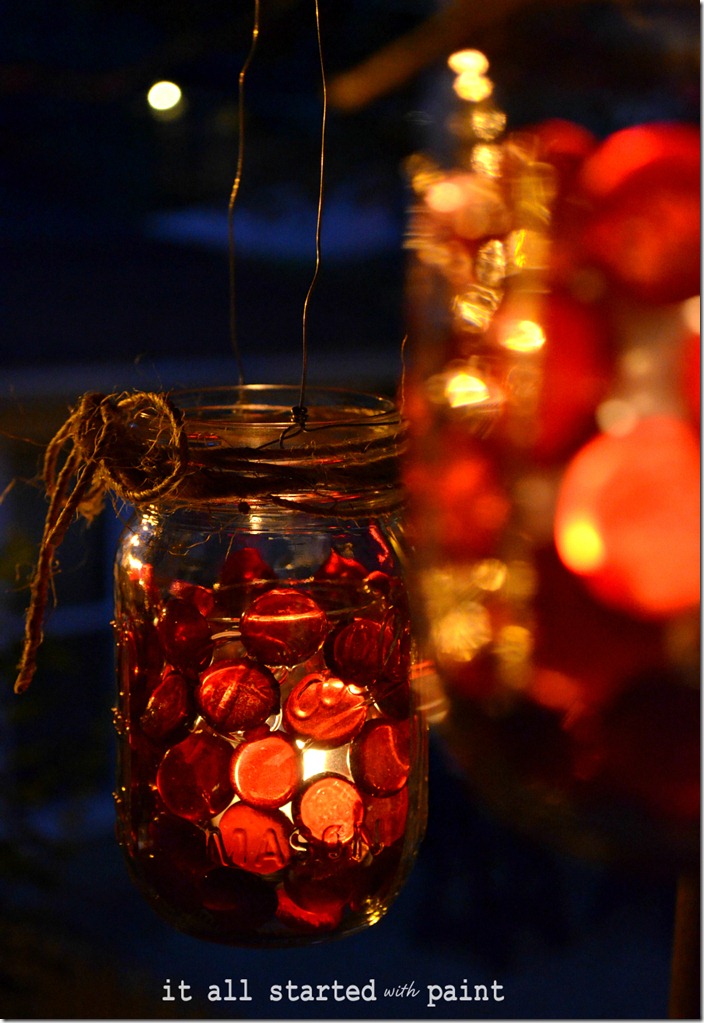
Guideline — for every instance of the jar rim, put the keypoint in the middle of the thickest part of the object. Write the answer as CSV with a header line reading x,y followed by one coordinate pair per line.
x,y
250,441
274,406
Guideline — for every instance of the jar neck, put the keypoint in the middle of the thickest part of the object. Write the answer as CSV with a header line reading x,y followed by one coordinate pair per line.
x,y
245,446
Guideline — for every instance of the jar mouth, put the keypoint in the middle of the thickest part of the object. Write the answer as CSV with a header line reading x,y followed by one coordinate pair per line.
x,y
250,441
267,407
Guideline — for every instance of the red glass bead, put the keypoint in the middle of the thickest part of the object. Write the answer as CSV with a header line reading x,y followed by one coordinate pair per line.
x,y
391,690
234,695
325,896
321,918
337,567
170,705
173,857
248,900
459,505
643,184
193,778
254,839
575,374
245,566
175,842
328,883
266,771
627,517
184,635
330,809
385,818
142,578
283,627
326,709
200,596
380,756
382,583
354,651
564,145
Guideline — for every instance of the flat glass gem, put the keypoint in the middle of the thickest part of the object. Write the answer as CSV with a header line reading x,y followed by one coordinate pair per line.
x,y
385,818
283,627
175,858
237,694
336,566
326,709
330,808
184,634
193,778
380,757
169,705
245,566
255,839
321,918
248,901
356,651
266,771
200,596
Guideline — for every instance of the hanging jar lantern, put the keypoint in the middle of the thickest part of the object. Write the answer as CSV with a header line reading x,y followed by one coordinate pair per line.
x,y
553,470
272,767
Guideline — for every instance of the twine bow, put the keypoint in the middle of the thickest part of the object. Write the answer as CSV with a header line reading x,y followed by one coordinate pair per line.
x,y
131,444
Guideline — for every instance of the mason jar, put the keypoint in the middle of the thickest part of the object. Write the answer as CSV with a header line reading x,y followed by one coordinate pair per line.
x,y
272,774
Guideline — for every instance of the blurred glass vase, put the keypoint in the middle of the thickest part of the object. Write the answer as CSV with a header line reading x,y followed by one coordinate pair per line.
x,y
553,472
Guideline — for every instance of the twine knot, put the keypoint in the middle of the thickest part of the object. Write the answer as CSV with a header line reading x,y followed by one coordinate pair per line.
x,y
132,444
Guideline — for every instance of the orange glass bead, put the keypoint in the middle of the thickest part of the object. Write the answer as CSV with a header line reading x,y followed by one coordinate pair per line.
x,y
255,839
380,757
330,809
283,627
326,709
266,771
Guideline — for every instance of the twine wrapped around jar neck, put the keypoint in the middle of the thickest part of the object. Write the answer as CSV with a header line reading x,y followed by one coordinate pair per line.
x,y
131,444
142,448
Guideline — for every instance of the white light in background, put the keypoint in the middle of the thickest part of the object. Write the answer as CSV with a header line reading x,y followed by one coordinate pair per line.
x,y
166,100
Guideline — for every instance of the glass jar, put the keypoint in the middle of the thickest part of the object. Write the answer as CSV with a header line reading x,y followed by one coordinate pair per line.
x,y
272,757
553,471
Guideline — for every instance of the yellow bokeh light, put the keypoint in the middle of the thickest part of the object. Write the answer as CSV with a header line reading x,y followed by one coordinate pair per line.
x,y
580,545
487,160
461,633
616,416
445,197
524,336
464,389
475,308
473,87
488,124
469,61
164,96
